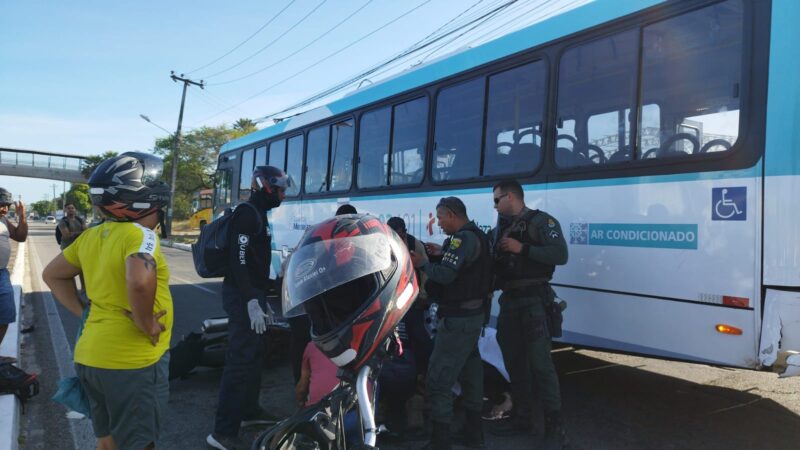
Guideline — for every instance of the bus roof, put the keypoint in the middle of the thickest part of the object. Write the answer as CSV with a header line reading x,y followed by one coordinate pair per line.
x,y
583,17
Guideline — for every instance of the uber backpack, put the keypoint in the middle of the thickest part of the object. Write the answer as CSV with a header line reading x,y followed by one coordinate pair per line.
x,y
210,252
14,380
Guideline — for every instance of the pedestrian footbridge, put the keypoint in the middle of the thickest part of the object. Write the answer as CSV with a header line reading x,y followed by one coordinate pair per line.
x,y
36,164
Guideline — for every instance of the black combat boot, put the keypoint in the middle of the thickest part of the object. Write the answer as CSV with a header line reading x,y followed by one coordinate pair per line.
x,y
516,425
555,436
471,435
440,438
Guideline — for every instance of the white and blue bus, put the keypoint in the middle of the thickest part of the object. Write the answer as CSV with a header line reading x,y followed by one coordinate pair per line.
x,y
663,135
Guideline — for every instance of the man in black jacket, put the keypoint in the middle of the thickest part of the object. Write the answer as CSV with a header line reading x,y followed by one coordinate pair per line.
x,y
244,299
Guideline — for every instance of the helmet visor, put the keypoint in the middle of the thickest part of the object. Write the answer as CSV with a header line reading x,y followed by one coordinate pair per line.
x,y
323,265
152,166
283,181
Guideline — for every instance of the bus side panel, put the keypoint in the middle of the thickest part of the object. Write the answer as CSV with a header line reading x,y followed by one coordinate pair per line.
x,y
660,261
782,164
684,331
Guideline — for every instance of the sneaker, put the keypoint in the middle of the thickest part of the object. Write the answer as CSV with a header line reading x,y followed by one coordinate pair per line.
x,y
225,442
262,417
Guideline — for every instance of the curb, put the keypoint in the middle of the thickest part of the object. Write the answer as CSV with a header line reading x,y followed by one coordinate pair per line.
x,y
177,245
9,405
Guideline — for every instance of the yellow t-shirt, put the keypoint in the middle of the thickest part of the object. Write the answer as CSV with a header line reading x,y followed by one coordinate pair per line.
x,y
111,340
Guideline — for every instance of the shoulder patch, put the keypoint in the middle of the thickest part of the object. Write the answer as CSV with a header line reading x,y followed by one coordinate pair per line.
x,y
455,243
551,223
148,240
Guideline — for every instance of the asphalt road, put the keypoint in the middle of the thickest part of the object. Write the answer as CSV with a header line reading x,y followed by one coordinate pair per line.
x,y
611,401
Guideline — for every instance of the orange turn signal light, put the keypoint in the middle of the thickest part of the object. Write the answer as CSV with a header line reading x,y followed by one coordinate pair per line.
x,y
727,329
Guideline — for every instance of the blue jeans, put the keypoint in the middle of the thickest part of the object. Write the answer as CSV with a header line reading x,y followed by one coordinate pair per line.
x,y
8,309
241,378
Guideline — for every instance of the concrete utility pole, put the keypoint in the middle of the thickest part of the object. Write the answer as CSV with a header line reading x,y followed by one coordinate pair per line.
x,y
186,82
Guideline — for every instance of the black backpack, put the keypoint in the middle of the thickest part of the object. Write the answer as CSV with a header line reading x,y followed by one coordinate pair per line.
x,y
210,252
58,229
14,380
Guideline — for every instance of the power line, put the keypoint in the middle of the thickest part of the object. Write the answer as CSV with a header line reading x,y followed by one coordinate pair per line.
x,y
323,59
500,30
296,51
216,102
414,47
270,43
372,70
484,19
246,40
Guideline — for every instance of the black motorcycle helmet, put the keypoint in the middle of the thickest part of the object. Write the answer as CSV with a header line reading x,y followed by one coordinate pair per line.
x,y
128,187
269,183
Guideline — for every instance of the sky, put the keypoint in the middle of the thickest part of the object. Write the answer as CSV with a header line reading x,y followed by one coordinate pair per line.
x,y
75,76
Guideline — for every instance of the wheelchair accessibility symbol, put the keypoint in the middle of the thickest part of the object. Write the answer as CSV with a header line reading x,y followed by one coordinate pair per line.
x,y
729,203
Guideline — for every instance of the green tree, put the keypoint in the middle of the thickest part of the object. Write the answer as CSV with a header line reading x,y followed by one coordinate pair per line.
x,y
93,161
244,126
197,160
79,195
42,207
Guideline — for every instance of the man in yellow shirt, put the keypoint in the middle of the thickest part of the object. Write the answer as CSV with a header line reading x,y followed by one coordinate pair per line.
x,y
121,357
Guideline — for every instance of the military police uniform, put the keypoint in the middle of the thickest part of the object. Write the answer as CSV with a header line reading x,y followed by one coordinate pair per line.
x,y
526,310
463,278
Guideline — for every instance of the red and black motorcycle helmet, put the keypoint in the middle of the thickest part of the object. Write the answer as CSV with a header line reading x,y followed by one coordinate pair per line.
x,y
128,187
354,278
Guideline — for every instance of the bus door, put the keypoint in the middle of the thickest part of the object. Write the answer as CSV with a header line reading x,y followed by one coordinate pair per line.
x,y
222,191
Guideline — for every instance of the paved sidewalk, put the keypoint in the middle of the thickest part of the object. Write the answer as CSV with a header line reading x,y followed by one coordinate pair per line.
x,y
9,405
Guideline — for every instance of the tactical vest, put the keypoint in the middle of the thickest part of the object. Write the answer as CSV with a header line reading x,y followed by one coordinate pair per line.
x,y
474,281
519,267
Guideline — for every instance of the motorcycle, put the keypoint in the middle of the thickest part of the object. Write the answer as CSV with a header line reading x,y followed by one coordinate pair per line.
x,y
322,426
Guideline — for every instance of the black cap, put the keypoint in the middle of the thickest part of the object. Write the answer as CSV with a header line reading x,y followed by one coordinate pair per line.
x,y
346,209
397,224
5,197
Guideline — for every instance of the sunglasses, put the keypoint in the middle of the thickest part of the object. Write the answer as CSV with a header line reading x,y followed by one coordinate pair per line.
x,y
497,199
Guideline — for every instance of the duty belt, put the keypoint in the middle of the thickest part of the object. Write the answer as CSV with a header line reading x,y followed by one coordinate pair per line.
x,y
524,283
465,308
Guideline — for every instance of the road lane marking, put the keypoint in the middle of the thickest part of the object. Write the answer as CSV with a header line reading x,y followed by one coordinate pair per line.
x,y
191,283
81,430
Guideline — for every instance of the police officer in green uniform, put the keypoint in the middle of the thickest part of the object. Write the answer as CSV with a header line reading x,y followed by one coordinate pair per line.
x,y
528,244
461,281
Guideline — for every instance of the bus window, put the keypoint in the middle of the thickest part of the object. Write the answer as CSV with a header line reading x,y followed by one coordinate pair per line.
x,y
342,140
459,130
261,156
245,174
294,164
650,130
410,130
604,131
277,154
514,116
373,148
317,161
596,80
691,66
